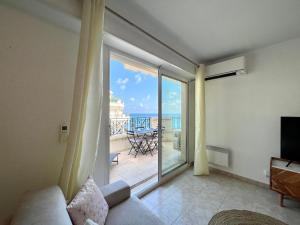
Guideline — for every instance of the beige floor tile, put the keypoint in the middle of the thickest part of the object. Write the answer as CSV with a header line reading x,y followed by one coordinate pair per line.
x,y
195,217
194,200
168,210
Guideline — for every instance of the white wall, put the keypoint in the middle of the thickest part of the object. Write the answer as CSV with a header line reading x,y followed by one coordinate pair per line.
x,y
243,113
64,13
37,69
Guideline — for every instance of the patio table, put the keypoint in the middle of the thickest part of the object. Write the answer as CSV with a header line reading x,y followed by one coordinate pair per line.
x,y
142,140
149,136
145,131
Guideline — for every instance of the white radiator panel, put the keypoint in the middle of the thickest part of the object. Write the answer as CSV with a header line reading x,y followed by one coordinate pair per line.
x,y
218,156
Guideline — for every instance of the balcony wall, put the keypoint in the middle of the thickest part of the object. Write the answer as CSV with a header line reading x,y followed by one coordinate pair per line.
x,y
119,143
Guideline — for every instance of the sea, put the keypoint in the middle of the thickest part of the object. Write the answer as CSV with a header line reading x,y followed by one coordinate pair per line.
x,y
133,115
176,118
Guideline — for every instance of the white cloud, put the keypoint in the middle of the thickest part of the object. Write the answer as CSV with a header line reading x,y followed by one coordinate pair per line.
x,y
141,105
122,81
147,98
172,94
138,78
132,99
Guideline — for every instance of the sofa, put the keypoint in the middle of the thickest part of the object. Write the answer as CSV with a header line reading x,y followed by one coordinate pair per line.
x,y
48,207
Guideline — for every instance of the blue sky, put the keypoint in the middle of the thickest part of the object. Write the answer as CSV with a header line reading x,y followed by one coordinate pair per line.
x,y
139,91
171,96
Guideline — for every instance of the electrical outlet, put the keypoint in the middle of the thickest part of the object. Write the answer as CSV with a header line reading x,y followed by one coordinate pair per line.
x,y
267,173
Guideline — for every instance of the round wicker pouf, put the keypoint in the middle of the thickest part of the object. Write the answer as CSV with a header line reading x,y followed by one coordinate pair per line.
x,y
243,217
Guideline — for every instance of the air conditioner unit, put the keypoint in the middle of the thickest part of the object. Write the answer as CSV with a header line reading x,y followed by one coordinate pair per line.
x,y
231,67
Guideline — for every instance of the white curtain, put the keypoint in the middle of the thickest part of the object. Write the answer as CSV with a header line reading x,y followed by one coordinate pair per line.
x,y
87,99
200,162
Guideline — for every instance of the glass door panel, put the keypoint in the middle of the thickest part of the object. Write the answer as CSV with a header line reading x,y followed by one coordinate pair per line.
x,y
133,117
173,123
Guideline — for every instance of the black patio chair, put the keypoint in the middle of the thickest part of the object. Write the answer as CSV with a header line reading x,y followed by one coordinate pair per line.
x,y
136,142
152,142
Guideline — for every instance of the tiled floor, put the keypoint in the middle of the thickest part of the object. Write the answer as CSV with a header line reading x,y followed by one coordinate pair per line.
x,y
134,170
189,200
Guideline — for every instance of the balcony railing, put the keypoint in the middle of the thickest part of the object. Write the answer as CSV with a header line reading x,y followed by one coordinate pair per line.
x,y
120,125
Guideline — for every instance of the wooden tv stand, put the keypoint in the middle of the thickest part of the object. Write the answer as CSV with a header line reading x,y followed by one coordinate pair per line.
x,y
285,180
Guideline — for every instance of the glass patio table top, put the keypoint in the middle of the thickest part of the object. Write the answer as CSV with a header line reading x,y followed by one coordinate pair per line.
x,y
144,131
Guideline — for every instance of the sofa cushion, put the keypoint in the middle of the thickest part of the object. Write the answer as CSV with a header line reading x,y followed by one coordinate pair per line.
x,y
43,207
88,203
131,212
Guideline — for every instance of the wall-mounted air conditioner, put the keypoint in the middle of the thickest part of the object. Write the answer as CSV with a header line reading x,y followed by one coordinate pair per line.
x,y
231,67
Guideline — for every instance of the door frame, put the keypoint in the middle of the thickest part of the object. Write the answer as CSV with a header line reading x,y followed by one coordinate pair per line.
x,y
162,178
108,50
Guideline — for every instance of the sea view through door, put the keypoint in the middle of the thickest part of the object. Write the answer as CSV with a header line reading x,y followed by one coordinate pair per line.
x,y
134,122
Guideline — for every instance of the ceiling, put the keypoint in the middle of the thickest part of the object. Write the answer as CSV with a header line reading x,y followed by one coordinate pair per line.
x,y
208,30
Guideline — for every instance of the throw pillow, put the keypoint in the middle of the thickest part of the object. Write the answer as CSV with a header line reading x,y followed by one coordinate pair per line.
x,y
88,203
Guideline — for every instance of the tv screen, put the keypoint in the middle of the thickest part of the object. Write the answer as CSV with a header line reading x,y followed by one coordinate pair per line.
x,y
290,138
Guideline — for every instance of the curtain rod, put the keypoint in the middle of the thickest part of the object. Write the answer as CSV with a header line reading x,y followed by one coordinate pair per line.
x,y
150,35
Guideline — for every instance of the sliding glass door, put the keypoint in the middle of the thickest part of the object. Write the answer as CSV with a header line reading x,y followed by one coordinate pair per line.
x,y
133,117
173,141
147,116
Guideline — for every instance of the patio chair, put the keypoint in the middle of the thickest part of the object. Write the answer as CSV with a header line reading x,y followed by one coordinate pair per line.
x,y
136,142
152,142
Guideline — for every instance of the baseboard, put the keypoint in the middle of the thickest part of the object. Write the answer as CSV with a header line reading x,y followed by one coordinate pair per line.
x,y
238,177
245,179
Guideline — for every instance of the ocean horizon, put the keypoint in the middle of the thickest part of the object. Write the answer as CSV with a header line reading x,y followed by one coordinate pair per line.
x,y
132,115
143,114
175,118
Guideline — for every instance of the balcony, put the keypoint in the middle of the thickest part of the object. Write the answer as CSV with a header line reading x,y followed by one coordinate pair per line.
x,y
143,167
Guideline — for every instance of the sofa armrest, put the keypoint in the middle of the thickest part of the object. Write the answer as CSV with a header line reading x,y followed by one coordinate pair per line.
x,y
115,193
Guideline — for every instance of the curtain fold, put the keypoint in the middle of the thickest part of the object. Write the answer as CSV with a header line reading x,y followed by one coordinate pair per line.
x,y
87,99
200,162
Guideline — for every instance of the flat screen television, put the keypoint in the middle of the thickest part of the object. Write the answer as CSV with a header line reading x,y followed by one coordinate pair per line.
x,y
290,138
